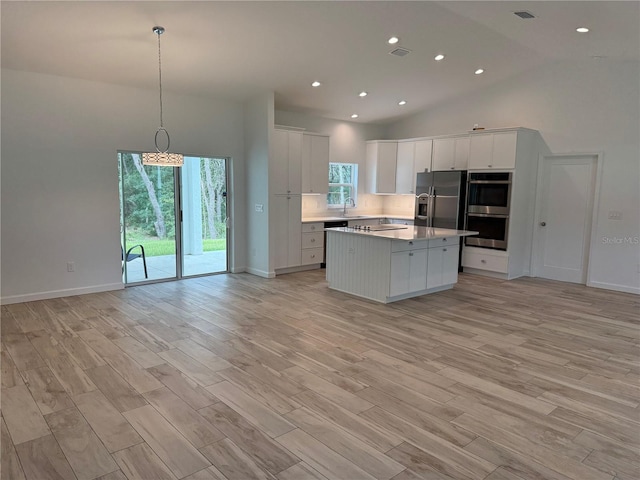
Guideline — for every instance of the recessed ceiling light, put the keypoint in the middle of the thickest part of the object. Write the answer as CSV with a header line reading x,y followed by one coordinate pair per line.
x,y
479,71
393,40
316,84
439,57
402,102
582,29
355,115
363,94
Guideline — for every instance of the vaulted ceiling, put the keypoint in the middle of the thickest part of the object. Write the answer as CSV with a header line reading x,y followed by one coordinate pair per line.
x,y
237,49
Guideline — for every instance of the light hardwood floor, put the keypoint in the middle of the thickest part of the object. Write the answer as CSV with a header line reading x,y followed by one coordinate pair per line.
x,y
238,377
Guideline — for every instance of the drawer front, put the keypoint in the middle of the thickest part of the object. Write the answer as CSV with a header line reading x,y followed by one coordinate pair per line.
x,y
312,227
443,242
313,240
311,256
403,245
485,262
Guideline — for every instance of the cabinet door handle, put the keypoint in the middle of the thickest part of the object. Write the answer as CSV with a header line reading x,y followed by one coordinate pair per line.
x,y
444,249
411,254
489,166
444,239
410,243
313,256
452,168
483,261
313,228
313,240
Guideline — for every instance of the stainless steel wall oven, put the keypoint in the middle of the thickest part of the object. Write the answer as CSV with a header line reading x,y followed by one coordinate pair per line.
x,y
489,202
489,193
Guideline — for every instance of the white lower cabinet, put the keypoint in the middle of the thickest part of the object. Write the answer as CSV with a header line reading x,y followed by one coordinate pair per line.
x,y
485,259
408,272
442,266
423,264
312,243
285,213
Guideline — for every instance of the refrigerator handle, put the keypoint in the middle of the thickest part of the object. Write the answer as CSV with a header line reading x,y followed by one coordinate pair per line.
x,y
431,206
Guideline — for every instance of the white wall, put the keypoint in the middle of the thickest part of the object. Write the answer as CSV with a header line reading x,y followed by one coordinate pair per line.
x,y
346,145
60,137
585,106
258,125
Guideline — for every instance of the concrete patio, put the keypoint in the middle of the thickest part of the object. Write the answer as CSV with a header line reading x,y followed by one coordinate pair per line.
x,y
164,266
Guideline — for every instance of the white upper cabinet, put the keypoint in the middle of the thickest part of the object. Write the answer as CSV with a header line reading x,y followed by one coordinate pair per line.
x,y
286,167
315,163
493,150
422,161
450,153
381,166
405,183
412,157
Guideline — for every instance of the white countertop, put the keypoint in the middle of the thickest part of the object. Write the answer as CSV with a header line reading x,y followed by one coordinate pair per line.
x,y
406,233
353,217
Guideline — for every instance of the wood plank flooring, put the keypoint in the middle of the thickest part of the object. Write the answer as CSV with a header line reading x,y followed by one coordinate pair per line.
x,y
236,377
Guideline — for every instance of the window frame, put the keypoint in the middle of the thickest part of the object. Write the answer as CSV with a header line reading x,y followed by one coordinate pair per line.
x,y
353,185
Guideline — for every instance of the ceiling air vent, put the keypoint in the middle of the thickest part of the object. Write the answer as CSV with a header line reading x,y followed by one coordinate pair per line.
x,y
524,15
400,52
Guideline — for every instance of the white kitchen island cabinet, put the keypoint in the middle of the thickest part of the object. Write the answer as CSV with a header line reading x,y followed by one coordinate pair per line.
x,y
388,265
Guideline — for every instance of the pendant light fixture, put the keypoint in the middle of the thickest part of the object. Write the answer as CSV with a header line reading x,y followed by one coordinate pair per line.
x,y
162,158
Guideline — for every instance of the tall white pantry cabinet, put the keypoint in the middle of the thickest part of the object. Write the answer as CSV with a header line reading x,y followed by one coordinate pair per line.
x,y
285,210
298,163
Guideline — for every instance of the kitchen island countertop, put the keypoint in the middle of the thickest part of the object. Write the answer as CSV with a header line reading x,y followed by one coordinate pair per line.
x,y
406,232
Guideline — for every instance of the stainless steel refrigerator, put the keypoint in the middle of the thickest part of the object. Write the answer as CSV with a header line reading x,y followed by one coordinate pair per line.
x,y
440,199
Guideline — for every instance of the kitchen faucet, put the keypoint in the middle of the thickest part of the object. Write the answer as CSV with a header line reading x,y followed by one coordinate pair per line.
x,y
350,201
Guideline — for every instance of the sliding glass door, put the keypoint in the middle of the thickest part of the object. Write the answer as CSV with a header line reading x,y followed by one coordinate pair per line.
x,y
204,215
173,220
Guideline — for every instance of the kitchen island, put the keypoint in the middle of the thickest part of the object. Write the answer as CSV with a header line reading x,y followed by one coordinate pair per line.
x,y
387,263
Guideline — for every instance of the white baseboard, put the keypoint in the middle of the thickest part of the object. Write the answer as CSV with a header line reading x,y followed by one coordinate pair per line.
x,y
260,273
485,273
68,292
613,286
302,268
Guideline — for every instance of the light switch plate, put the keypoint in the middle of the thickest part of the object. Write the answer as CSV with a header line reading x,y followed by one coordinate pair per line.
x,y
615,215
259,207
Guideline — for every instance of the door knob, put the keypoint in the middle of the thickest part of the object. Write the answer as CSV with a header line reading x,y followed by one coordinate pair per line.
x,y
543,224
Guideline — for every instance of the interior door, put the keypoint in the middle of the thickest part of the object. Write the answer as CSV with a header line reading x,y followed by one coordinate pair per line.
x,y
563,228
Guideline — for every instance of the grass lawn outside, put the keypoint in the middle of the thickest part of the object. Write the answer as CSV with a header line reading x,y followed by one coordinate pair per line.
x,y
154,247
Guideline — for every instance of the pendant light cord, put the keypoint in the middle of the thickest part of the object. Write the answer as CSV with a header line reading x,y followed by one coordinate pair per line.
x,y
160,76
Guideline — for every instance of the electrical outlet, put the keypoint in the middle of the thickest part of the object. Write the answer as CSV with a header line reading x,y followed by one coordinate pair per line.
x,y
352,250
71,266
259,207
615,215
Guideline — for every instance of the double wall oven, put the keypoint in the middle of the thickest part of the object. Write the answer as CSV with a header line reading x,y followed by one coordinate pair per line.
x,y
488,205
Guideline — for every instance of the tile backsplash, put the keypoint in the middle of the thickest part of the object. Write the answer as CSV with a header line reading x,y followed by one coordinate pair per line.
x,y
401,205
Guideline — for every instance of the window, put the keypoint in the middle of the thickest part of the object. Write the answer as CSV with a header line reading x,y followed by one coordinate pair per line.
x,y
343,183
